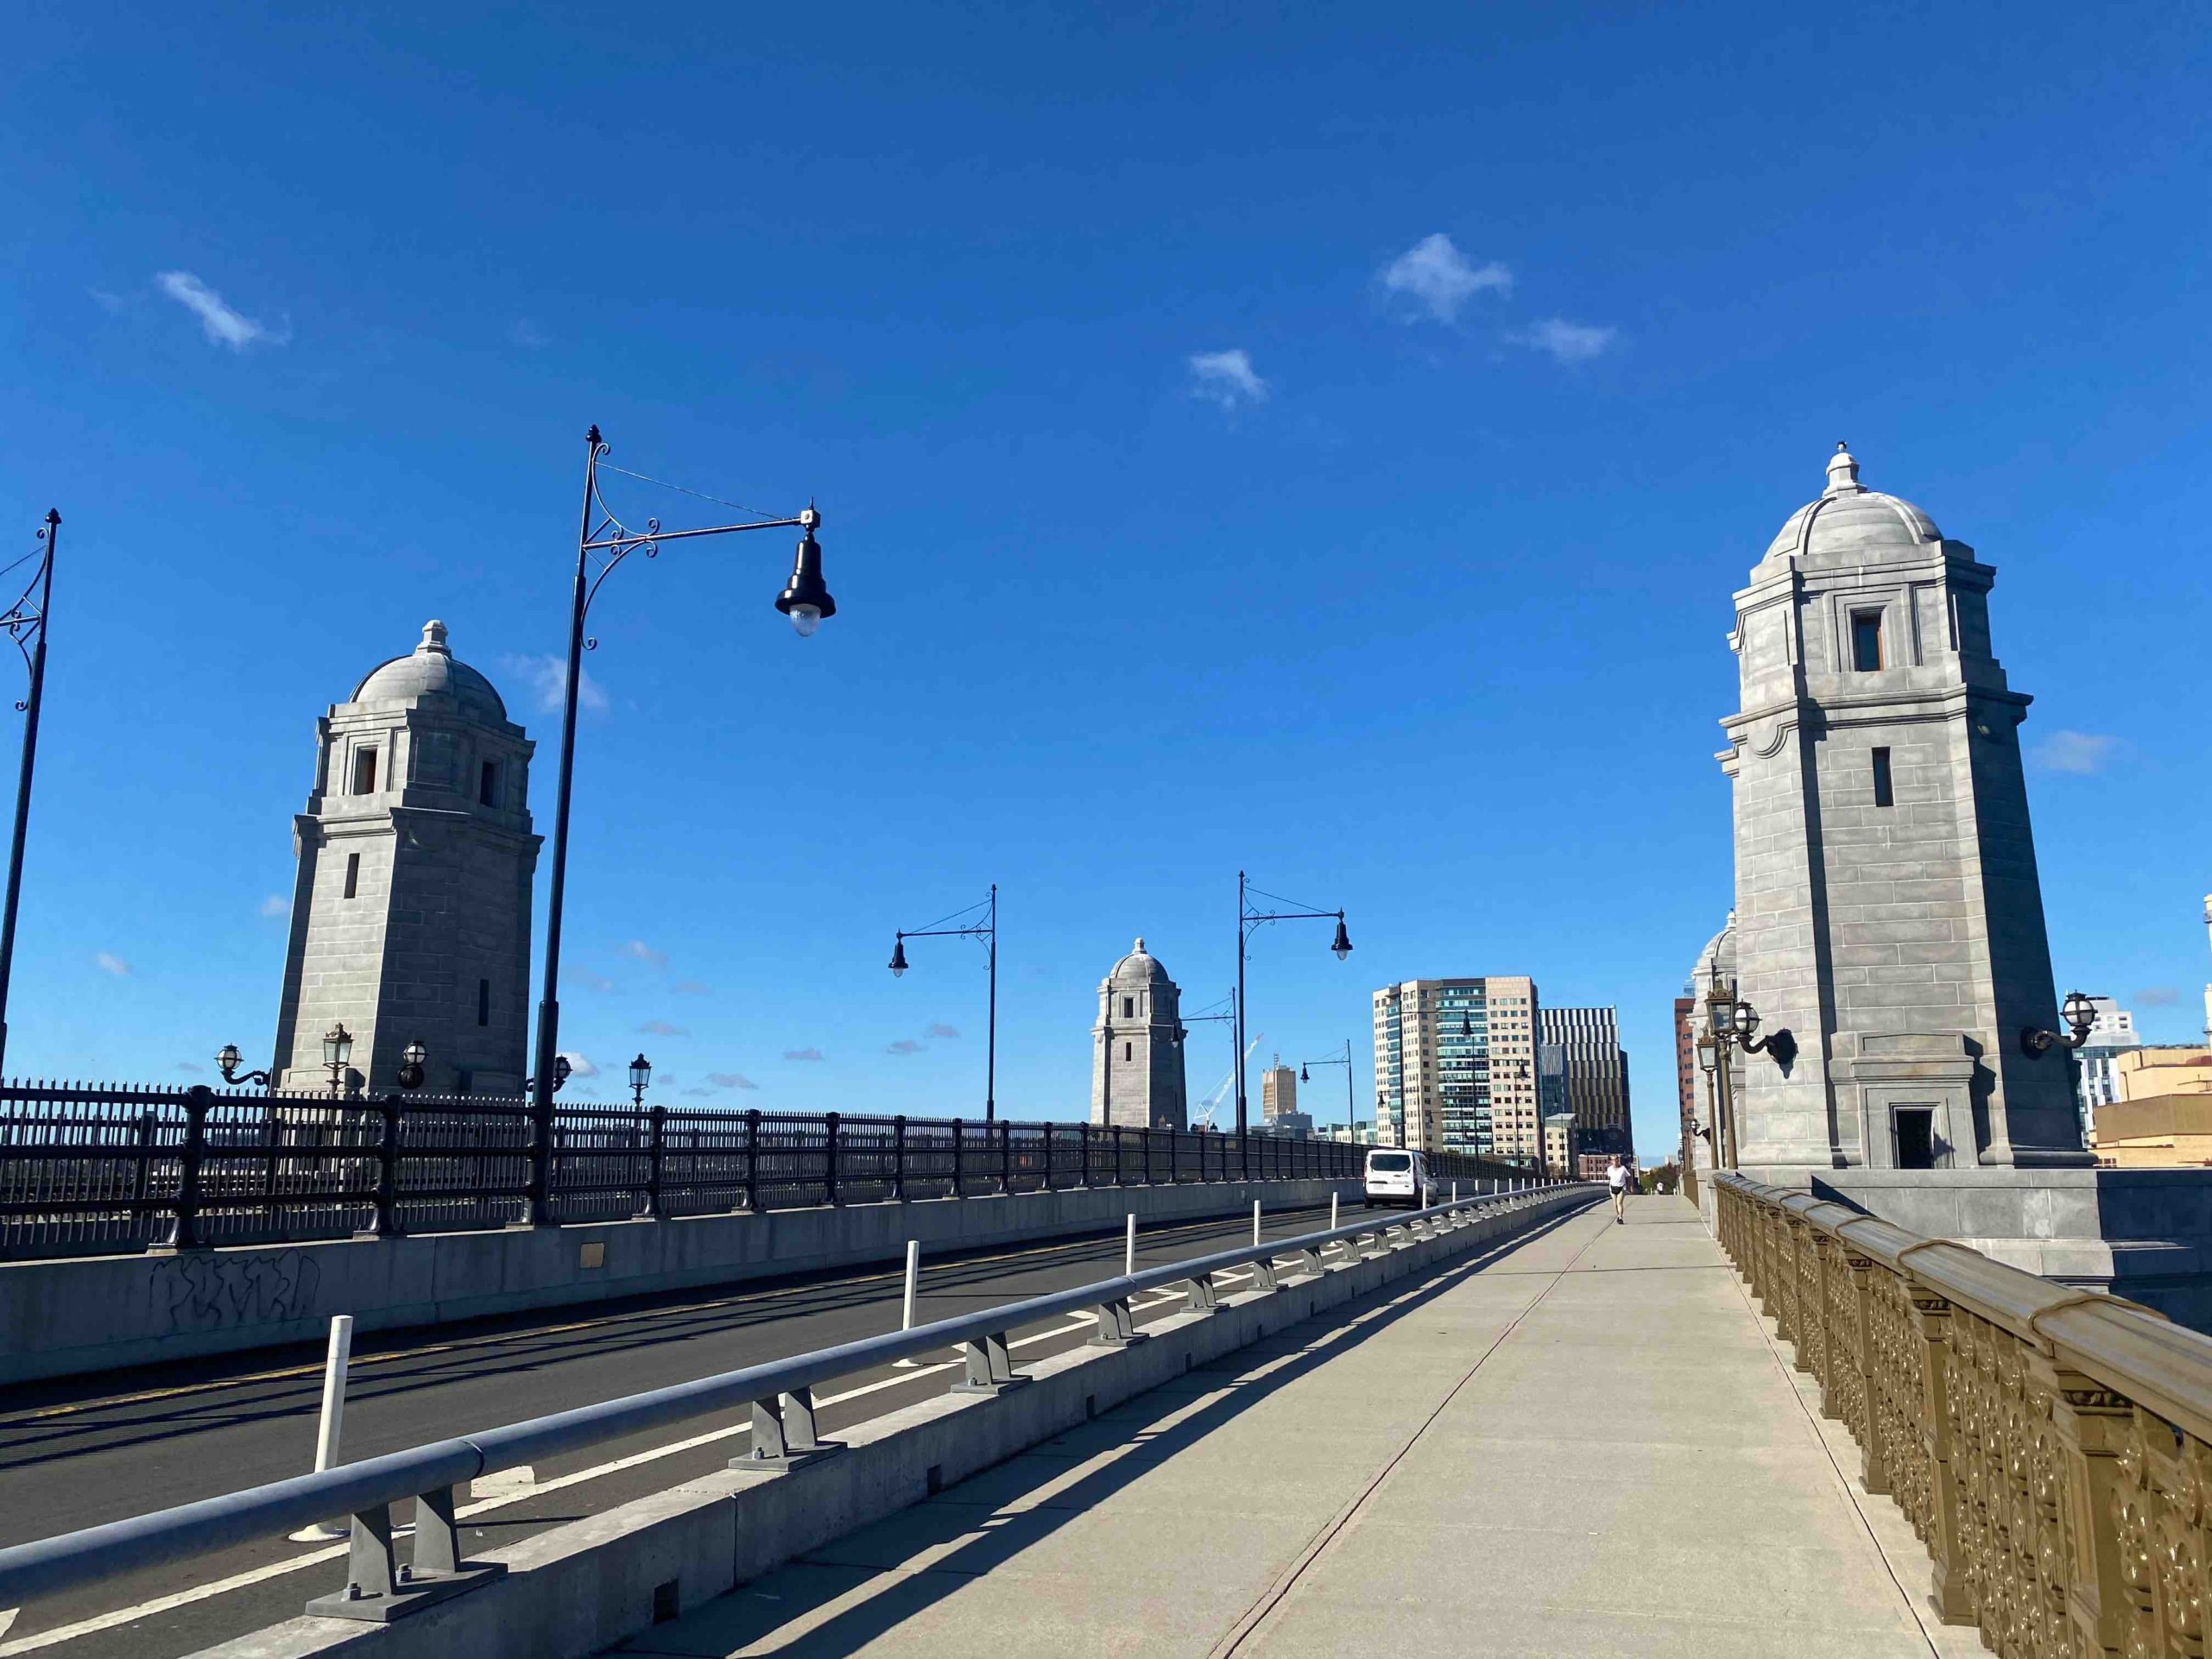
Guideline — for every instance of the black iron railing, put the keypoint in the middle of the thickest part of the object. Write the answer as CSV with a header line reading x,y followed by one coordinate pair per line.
x,y
104,1169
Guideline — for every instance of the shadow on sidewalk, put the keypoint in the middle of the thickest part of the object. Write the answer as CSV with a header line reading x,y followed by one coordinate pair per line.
x,y
755,1611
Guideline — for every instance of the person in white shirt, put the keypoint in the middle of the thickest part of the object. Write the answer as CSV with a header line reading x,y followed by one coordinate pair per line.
x,y
1617,1178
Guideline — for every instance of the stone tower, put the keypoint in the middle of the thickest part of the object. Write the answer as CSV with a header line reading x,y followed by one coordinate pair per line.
x,y
1136,1053
1888,914
411,908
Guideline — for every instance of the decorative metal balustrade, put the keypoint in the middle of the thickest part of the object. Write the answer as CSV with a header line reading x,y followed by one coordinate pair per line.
x,y
89,1170
2051,1446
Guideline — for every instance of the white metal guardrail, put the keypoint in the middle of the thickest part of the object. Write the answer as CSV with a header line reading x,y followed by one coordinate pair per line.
x,y
780,1393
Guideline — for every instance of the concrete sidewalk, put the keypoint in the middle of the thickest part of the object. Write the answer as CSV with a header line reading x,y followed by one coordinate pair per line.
x,y
1582,1445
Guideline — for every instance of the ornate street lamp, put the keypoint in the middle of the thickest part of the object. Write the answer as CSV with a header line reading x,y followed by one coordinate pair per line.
x,y
226,1062
1248,920
26,620
604,538
641,1074
2080,1013
338,1048
1305,1076
412,1059
986,931
1731,1024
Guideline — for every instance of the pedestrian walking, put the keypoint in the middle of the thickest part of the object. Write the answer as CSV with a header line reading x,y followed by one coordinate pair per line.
x,y
1616,1177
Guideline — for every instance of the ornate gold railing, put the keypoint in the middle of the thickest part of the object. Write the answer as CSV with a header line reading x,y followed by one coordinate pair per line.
x,y
2051,1446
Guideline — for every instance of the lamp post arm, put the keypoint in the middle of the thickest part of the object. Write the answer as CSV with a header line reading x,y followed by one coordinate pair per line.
x,y
625,541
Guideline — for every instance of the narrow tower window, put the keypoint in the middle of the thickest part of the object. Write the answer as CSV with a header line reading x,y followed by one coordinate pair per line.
x,y
1882,796
488,784
1125,1051
1866,641
484,1002
364,772
352,874
1129,1007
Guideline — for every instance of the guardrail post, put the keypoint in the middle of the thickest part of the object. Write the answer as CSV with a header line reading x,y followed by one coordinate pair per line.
x,y
142,1170
1085,1128
1006,1157
656,1129
1931,1331
378,1590
1198,1295
899,1158
184,1234
1146,1132
1048,1157
753,1159
959,1162
830,1158
783,1433
988,1367
1116,1329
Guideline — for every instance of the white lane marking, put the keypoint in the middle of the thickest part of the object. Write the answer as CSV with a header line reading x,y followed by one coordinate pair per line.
x,y
500,1500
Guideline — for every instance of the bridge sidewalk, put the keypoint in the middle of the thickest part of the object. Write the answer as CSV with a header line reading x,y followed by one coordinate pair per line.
x,y
1582,1445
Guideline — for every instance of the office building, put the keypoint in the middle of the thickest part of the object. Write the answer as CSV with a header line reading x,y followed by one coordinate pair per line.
x,y
1597,1074
1278,1090
1455,1065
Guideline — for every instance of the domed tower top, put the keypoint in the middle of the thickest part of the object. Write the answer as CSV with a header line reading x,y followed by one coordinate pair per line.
x,y
430,670
1139,967
1848,519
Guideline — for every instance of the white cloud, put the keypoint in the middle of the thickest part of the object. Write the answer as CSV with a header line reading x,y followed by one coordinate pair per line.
x,y
276,905
107,962
730,1080
219,322
638,951
1226,378
939,1028
2079,752
547,678
1567,342
904,1045
802,1054
579,1065
1437,279
661,1028
192,1069
592,982
2157,996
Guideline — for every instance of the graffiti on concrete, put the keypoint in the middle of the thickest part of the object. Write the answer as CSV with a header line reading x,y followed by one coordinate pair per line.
x,y
202,1291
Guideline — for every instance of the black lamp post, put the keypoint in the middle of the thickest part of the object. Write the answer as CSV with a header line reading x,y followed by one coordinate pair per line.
x,y
1248,919
641,1075
986,931
1183,1022
26,620
604,537
2080,1014
1306,1075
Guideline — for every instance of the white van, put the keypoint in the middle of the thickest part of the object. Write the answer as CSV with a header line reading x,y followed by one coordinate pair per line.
x,y
1400,1178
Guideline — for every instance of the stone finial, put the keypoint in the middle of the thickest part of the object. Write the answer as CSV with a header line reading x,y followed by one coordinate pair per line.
x,y
1139,949
1842,472
433,639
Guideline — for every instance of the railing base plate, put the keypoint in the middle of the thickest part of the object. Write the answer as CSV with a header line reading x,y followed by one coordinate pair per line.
x,y
964,1387
789,1460
413,1595
1128,1341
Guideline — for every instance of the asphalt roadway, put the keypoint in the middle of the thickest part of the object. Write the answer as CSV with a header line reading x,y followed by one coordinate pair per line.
x,y
77,1452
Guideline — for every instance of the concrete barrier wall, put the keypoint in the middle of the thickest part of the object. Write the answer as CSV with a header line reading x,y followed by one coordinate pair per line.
x,y
63,1318
578,1589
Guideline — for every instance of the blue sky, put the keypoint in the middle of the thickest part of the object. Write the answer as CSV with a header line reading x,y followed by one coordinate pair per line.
x,y
1320,440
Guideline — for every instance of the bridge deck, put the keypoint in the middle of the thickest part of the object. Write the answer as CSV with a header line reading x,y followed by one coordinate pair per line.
x,y
1583,1445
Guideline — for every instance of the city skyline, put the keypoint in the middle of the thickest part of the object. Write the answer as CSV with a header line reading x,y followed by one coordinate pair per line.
x,y
1462,455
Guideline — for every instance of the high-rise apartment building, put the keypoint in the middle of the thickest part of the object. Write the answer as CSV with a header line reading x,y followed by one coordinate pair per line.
x,y
2097,1082
1597,1074
1278,1090
1455,1065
